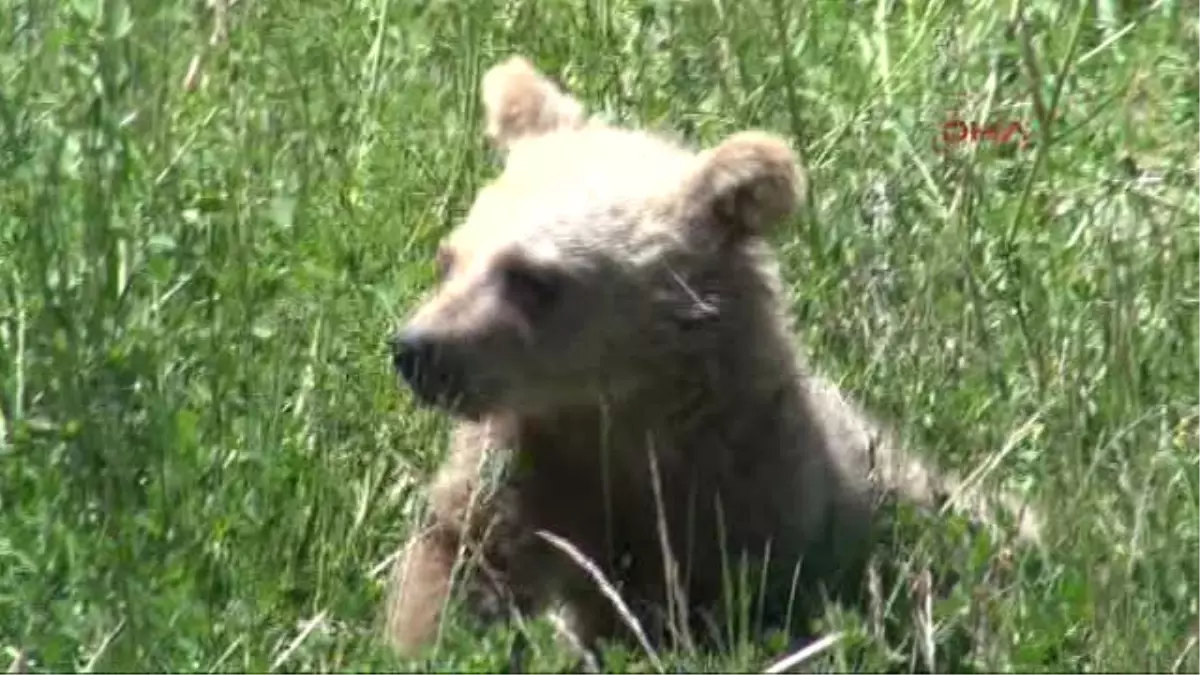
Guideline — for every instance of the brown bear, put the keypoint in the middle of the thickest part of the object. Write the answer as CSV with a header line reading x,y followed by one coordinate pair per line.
x,y
609,321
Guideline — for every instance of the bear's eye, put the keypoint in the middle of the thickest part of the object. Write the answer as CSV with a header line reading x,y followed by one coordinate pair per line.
x,y
444,261
533,290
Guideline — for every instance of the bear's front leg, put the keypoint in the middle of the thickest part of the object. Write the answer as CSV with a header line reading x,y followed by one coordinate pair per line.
x,y
476,540
499,566
419,588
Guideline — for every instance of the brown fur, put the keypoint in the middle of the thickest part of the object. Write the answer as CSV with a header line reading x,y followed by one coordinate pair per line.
x,y
669,342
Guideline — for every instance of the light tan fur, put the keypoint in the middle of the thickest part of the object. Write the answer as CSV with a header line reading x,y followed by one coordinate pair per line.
x,y
669,339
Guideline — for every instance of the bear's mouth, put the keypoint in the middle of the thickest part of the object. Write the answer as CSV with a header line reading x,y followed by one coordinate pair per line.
x,y
458,405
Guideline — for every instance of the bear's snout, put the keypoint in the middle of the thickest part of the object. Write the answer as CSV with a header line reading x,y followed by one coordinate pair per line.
x,y
408,353
422,363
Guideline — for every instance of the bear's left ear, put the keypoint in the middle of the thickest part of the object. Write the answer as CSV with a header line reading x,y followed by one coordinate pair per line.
x,y
745,185
519,101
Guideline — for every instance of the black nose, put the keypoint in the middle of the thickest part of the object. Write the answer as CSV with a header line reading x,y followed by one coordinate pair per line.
x,y
422,362
412,357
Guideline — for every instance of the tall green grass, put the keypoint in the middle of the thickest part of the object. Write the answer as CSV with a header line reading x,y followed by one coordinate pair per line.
x,y
205,460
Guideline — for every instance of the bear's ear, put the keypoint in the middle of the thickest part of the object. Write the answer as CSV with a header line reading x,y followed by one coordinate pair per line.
x,y
519,101
745,185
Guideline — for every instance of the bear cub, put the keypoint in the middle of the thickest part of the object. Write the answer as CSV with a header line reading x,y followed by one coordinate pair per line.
x,y
609,323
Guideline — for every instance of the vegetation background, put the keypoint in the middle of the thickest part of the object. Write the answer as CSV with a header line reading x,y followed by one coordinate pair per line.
x,y
210,221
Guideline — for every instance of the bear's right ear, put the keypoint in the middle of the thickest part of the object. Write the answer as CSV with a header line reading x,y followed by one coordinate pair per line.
x,y
745,185
519,101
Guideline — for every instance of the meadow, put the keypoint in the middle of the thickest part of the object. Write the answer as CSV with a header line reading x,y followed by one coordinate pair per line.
x,y
210,221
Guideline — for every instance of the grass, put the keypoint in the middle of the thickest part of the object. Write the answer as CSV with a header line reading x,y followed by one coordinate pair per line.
x,y
204,457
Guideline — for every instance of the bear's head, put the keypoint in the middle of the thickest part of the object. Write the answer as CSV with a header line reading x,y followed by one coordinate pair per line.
x,y
597,255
